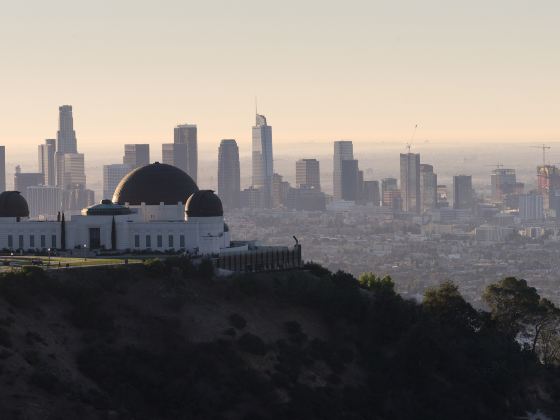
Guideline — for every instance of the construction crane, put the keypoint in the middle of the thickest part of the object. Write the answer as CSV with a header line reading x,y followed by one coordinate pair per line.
x,y
409,144
544,148
497,165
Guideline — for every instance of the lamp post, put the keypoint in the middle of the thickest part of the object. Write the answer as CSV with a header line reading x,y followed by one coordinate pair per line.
x,y
85,246
49,263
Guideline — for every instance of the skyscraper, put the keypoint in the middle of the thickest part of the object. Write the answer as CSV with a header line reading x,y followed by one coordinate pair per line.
x,y
503,181
47,161
22,180
65,139
410,182
388,185
343,150
350,180
74,170
229,178
371,192
263,167
112,175
44,200
175,154
136,155
66,136
308,174
462,192
531,206
2,168
187,134
428,188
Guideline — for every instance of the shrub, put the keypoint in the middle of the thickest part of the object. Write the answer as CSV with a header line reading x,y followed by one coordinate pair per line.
x,y
237,321
252,344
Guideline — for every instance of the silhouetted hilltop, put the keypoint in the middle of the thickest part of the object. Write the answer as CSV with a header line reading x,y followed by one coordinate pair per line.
x,y
167,340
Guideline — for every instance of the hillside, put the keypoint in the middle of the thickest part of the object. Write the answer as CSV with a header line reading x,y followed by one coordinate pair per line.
x,y
168,341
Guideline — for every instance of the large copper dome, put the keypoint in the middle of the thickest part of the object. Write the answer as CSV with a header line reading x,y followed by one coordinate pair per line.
x,y
154,184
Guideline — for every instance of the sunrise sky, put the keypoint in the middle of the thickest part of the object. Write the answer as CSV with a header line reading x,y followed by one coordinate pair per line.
x,y
322,70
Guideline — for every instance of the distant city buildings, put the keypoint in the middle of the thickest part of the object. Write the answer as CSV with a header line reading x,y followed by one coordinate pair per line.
x,y
428,188
175,154
46,158
136,155
187,135
44,200
410,181
462,192
531,206
503,181
388,186
112,175
308,174
350,180
343,150
371,193
22,180
229,175
262,158
2,169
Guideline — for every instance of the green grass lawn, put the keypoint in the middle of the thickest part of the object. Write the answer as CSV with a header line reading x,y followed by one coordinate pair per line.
x,y
55,262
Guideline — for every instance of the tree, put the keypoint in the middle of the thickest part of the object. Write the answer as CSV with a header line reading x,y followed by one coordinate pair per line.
x,y
511,302
113,234
521,313
63,233
446,304
377,284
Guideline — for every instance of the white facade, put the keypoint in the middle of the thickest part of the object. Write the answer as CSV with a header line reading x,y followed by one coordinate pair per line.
x,y
44,200
157,228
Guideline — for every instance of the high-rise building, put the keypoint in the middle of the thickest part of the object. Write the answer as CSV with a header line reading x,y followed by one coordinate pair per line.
x,y
350,180
279,191
442,196
531,206
371,192
187,134
112,175
74,170
308,174
229,178
263,166
343,150
44,200
462,192
47,161
410,182
548,182
65,139
77,197
387,185
2,168
66,136
503,181
174,154
136,155
22,180
428,188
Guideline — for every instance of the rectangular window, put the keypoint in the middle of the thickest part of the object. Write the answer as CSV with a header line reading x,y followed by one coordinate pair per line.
x,y
136,241
10,241
148,241
31,241
170,244
159,241
20,245
53,241
182,241
43,241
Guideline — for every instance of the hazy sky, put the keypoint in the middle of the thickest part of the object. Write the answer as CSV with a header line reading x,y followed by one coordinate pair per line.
x,y
322,70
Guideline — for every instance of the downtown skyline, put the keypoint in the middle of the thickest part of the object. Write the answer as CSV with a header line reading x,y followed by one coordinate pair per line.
x,y
478,72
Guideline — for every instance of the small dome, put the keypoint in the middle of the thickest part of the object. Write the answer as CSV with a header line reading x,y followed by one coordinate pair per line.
x,y
106,208
204,203
154,184
12,204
